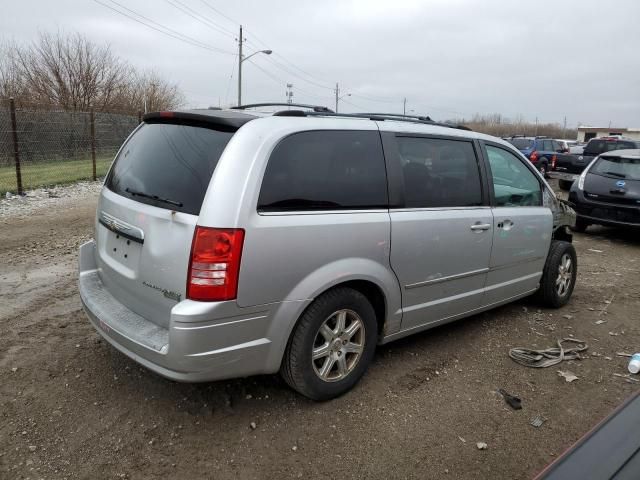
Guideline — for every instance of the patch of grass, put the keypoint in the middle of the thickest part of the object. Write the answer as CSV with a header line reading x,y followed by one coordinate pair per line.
x,y
36,175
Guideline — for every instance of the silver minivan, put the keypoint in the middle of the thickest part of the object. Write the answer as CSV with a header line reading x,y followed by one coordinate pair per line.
x,y
235,242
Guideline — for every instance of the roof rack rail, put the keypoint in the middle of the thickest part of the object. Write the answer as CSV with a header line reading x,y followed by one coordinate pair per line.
x,y
377,117
399,115
315,108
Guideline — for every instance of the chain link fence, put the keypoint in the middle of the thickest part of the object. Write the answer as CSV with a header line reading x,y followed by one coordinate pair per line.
x,y
43,146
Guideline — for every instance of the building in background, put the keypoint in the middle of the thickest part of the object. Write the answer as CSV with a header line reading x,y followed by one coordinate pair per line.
x,y
587,133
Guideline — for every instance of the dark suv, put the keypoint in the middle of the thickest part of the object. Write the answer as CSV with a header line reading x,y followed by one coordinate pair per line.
x,y
543,152
608,191
568,167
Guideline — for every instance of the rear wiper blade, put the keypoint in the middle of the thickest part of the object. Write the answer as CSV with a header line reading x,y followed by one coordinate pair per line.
x,y
616,174
153,197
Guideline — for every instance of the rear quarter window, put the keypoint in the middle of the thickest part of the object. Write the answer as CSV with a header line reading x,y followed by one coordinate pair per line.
x,y
173,163
325,170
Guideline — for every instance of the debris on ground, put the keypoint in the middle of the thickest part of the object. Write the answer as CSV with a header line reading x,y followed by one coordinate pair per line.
x,y
550,356
628,377
567,316
481,446
594,250
600,322
634,363
623,354
462,439
568,376
513,401
253,425
537,421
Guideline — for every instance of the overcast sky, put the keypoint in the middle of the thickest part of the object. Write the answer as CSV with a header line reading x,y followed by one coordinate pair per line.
x,y
449,58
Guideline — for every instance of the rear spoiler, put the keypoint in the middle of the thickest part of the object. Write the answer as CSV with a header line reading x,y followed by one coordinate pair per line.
x,y
219,120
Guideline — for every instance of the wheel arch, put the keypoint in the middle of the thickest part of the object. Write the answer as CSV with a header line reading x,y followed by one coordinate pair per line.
x,y
379,285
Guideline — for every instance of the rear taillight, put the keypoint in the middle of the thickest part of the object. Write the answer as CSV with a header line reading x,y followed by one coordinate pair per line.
x,y
554,159
534,156
215,264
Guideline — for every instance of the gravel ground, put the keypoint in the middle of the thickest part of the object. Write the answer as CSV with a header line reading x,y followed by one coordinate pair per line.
x,y
73,407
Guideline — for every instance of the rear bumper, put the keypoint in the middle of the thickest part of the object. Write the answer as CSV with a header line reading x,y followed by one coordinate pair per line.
x,y
205,340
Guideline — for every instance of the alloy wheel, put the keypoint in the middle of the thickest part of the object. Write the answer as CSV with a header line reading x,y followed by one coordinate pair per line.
x,y
338,345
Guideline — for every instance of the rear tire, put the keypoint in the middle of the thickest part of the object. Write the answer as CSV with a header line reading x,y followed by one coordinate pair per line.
x,y
544,168
559,275
581,225
565,184
343,349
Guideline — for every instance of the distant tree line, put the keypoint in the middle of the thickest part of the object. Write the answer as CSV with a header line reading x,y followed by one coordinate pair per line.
x,y
74,73
499,126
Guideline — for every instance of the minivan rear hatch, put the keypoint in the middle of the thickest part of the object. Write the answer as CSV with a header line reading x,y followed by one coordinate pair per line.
x,y
149,207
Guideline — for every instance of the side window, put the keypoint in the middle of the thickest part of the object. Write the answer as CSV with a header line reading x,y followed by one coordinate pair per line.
x,y
325,170
548,146
514,184
439,173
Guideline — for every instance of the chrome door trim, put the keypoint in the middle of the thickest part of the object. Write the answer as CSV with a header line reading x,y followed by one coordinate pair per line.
x,y
447,278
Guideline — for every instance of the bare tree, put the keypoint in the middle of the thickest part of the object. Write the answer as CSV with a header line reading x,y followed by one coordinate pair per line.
x,y
499,126
12,84
149,90
74,73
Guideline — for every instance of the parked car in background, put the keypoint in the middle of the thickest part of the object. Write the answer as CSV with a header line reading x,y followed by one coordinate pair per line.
x,y
577,149
608,191
231,243
565,145
568,167
542,152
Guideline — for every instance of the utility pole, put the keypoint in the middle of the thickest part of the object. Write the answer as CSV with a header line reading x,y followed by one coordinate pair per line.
x,y
564,127
337,92
536,126
404,106
240,67
289,93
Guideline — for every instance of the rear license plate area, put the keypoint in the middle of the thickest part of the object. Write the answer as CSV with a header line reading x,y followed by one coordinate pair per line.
x,y
121,249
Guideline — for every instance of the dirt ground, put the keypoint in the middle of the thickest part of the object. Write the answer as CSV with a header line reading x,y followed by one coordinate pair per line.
x,y
73,407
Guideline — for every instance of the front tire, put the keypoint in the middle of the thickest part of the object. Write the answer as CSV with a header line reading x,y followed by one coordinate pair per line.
x,y
332,345
559,275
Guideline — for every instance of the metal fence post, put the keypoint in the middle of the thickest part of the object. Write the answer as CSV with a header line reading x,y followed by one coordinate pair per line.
x,y
92,122
16,148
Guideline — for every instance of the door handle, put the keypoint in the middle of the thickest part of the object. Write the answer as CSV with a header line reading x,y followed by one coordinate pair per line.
x,y
480,227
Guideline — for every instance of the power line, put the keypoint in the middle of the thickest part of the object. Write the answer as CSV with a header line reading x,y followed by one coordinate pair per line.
x,y
235,23
315,80
201,18
162,29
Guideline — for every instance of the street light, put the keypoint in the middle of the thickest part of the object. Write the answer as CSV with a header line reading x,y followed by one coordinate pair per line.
x,y
242,59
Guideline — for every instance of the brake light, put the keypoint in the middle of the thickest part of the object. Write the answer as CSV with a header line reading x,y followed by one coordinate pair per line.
x,y
215,264
553,162
534,156
167,114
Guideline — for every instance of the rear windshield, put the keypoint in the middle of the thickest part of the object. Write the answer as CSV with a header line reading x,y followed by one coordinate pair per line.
x,y
596,147
617,167
167,165
521,143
